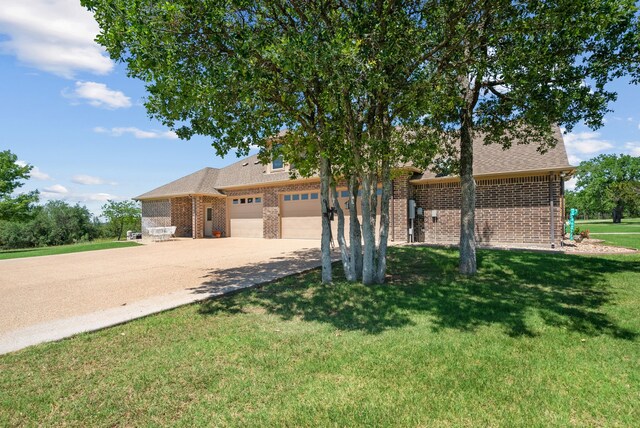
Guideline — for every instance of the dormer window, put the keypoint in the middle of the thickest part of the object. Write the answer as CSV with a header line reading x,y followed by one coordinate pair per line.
x,y
278,163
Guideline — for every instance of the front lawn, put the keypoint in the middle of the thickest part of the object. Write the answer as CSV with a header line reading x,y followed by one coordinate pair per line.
x,y
64,249
534,339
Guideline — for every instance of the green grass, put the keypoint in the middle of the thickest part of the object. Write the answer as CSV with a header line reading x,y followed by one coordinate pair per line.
x,y
534,339
64,249
627,233
607,226
627,241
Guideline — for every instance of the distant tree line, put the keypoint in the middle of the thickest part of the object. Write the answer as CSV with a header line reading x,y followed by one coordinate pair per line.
x,y
608,186
24,223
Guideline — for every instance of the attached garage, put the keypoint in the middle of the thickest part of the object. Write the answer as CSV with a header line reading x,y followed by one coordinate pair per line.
x,y
300,215
245,214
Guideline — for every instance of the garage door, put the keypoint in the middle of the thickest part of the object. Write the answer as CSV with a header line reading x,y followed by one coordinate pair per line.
x,y
246,217
301,215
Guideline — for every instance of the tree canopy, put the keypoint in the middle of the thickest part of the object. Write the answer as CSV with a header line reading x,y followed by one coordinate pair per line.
x,y
120,216
14,207
609,184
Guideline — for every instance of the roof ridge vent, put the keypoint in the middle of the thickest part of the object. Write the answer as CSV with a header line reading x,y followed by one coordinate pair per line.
x,y
256,162
245,164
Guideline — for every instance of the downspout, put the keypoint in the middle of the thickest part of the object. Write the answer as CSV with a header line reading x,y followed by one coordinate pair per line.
x,y
393,214
551,211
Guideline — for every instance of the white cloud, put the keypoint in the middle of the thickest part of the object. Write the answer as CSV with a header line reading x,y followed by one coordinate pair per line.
x,y
99,95
57,189
633,148
36,172
570,184
90,180
574,160
137,133
54,193
53,35
585,143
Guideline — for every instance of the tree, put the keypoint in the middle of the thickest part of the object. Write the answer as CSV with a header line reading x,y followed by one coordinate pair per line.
x,y
518,69
340,77
55,223
11,176
121,216
610,183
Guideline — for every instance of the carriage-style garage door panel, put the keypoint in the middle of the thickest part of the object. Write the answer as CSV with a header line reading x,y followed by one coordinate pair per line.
x,y
300,216
246,217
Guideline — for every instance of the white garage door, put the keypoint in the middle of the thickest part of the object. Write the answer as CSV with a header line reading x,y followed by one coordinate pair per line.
x,y
301,216
246,217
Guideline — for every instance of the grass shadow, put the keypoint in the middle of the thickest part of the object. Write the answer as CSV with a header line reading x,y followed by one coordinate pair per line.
x,y
564,291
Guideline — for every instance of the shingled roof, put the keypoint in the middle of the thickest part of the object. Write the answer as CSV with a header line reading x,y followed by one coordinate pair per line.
x,y
201,182
488,160
492,159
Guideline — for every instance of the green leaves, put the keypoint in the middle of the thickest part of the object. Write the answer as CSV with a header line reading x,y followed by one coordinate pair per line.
x,y
607,181
14,207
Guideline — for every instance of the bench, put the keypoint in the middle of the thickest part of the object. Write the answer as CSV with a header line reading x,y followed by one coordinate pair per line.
x,y
161,233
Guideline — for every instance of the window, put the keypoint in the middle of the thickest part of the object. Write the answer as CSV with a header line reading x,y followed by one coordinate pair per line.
x,y
277,163
287,197
295,197
304,196
243,201
344,193
235,202
379,192
250,200
314,196
209,214
257,200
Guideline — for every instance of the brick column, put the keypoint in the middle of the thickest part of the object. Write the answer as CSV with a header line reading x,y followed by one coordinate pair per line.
x,y
270,214
399,206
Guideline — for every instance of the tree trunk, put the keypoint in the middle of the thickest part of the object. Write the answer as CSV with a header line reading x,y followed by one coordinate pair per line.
x,y
369,185
617,212
468,203
384,223
325,244
347,261
355,233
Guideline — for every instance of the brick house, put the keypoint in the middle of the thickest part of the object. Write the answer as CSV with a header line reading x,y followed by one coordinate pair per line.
x,y
520,199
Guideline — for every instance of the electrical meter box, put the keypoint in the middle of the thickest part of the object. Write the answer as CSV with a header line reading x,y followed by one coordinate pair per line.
x,y
412,209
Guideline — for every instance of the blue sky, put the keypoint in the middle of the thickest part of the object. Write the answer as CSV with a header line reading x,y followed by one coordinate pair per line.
x,y
74,115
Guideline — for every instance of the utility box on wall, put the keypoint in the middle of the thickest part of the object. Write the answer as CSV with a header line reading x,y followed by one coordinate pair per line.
x,y
412,209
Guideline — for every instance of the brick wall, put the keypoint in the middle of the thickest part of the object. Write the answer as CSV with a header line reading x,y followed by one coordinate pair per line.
x,y
399,210
155,214
181,216
507,210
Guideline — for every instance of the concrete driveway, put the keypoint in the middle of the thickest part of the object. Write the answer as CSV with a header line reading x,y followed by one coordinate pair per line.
x,y
46,298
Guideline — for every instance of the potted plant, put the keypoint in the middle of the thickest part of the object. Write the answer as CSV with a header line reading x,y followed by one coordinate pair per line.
x,y
217,234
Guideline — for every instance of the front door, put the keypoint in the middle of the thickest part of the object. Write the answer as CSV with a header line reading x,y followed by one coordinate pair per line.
x,y
208,222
